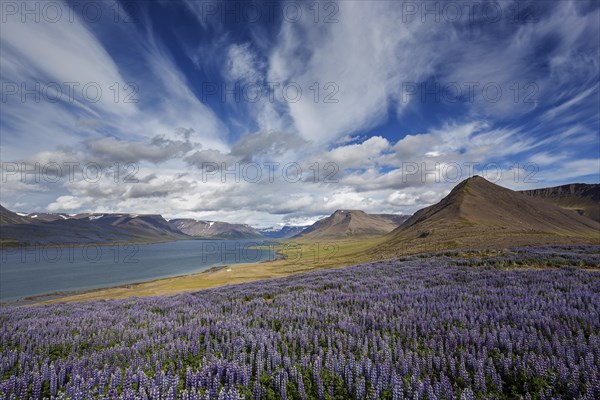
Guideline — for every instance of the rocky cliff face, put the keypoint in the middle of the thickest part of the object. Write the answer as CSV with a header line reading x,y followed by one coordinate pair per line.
x,y
580,197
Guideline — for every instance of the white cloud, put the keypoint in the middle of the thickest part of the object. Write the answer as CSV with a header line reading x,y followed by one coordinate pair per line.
x,y
359,62
359,155
68,203
58,53
402,199
242,63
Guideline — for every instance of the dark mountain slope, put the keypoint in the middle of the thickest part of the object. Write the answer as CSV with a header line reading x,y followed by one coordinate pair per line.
x,y
480,214
580,197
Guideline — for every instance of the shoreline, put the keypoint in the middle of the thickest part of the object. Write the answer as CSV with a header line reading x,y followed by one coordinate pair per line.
x,y
38,299
278,265
44,298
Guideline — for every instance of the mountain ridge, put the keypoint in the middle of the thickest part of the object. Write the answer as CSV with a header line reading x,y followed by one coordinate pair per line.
x,y
350,223
10,217
583,198
215,229
52,229
481,214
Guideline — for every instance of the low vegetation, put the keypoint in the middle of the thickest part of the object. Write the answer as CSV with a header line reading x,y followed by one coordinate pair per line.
x,y
519,324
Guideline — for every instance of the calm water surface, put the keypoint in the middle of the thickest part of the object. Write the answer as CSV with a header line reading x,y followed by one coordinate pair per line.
x,y
43,270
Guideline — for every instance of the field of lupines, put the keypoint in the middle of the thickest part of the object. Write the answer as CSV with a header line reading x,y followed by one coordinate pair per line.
x,y
453,326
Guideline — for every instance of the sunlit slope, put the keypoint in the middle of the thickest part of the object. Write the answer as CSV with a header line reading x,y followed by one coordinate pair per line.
x,y
351,223
480,214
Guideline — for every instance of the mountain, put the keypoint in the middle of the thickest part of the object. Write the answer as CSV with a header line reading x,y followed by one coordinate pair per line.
x,y
215,229
138,224
98,228
48,217
580,197
9,217
284,232
396,219
61,229
351,223
480,214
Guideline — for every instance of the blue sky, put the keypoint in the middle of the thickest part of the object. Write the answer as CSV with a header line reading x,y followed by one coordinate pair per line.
x,y
395,101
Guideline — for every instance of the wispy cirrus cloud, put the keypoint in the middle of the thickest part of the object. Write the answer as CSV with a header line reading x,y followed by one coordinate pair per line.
x,y
69,54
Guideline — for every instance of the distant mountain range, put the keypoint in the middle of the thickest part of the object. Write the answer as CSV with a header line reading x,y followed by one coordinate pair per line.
x,y
579,197
48,229
88,228
215,229
284,232
479,214
476,214
352,223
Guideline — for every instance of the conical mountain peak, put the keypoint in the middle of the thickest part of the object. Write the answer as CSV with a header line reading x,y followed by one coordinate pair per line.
x,y
480,214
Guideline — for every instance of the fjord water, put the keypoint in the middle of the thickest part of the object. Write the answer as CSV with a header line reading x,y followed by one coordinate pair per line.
x,y
37,270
